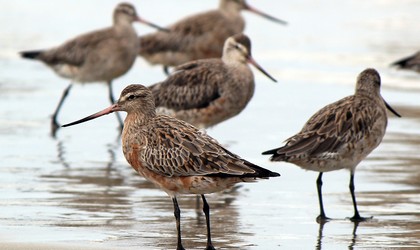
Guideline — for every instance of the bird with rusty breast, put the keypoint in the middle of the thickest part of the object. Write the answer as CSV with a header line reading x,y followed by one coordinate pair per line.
x,y
176,156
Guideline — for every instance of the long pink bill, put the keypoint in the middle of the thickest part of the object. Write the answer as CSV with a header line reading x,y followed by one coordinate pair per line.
x,y
258,12
391,109
141,20
256,65
106,111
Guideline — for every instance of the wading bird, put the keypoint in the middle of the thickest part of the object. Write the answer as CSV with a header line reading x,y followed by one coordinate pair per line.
x,y
340,135
98,56
176,156
208,91
198,36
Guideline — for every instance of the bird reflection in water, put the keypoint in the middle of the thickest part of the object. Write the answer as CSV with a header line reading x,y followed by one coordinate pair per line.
x,y
353,239
93,193
155,214
61,153
112,147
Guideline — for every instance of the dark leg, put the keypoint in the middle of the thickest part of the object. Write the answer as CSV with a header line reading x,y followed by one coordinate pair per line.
x,y
166,70
356,216
177,213
54,123
322,218
111,98
206,210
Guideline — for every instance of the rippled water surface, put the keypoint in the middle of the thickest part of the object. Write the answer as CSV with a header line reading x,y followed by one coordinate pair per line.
x,y
77,191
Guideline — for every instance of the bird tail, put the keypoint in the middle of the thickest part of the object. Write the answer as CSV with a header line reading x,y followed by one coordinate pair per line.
x,y
276,154
402,62
30,54
260,172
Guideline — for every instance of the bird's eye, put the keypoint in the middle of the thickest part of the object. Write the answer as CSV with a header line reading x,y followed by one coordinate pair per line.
x,y
131,97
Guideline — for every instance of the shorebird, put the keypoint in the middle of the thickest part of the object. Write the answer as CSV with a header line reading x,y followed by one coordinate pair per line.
x,y
340,135
208,91
197,36
101,55
409,63
174,155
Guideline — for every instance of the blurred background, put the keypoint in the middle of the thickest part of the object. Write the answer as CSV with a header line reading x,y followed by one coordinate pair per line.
x,y
77,190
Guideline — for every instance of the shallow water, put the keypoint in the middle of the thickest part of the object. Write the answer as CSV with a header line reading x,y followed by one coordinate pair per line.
x,y
76,190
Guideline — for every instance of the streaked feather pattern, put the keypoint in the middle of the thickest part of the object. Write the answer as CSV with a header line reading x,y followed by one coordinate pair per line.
x,y
342,133
209,91
162,146
175,148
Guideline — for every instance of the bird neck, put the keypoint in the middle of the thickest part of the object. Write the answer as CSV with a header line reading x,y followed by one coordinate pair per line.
x,y
121,21
236,60
137,118
125,29
362,90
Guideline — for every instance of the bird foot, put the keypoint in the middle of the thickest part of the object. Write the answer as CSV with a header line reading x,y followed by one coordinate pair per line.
x,y
54,127
321,219
180,247
358,218
210,247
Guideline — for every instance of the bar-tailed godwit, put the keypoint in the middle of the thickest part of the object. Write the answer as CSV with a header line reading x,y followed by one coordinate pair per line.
x,y
198,36
176,156
208,91
340,135
98,56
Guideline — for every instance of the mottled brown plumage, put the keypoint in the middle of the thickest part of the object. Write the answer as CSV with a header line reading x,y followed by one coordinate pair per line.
x,y
208,91
98,56
340,135
174,155
198,36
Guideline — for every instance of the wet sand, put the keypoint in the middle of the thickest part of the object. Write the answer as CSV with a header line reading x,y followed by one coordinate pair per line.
x,y
39,246
76,191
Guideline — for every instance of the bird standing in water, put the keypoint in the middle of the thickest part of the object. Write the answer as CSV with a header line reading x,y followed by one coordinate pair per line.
x,y
340,135
176,156
197,36
101,55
